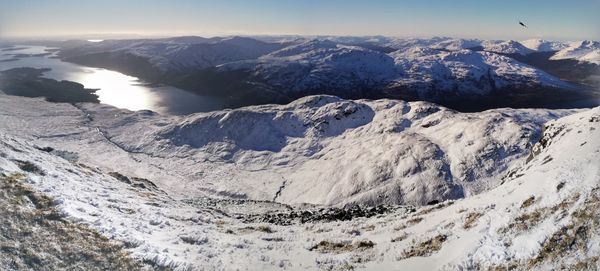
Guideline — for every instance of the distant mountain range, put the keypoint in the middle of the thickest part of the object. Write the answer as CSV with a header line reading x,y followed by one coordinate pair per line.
x,y
465,74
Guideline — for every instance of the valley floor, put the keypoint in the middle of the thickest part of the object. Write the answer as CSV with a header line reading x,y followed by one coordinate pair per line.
x,y
97,169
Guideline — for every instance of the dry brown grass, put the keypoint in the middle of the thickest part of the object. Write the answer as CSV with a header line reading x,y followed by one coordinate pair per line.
x,y
261,228
528,202
574,238
568,247
400,237
342,247
436,207
34,236
471,220
425,248
530,219
410,222
369,227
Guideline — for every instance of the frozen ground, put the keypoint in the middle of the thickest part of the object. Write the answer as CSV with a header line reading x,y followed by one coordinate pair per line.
x,y
303,152
143,179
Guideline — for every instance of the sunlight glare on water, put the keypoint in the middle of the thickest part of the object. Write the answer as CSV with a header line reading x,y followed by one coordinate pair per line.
x,y
117,89
114,88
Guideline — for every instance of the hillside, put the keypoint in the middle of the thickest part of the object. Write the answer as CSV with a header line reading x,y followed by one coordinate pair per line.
x,y
584,51
123,175
464,74
303,152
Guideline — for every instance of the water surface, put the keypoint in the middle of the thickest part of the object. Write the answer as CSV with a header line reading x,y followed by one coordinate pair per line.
x,y
114,88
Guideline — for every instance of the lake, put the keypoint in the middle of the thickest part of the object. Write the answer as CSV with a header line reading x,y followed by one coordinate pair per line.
x,y
114,88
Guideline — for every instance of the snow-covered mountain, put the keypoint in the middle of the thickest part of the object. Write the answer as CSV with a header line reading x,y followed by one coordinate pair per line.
x,y
506,47
319,64
247,71
433,72
540,45
338,69
405,43
303,152
138,178
584,51
174,55
457,44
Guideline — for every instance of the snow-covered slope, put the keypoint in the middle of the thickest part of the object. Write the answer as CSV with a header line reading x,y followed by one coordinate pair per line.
x,y
543,215
177,54
303,152
506,47
457,44
319,64
540,45
342,70
584,51
435,72
439,69
405,43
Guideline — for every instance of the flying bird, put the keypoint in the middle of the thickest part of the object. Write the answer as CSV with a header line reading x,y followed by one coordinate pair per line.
x,y
522,24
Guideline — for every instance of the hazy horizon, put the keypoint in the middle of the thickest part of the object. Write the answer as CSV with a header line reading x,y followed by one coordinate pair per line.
x,y
557,20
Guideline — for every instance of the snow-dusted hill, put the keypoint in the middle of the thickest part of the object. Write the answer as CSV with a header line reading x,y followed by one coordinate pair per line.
x,y
303,152
584,51
540,45
248,71
457,44
338,69
433,72
174,55
123,174
506,47
318,65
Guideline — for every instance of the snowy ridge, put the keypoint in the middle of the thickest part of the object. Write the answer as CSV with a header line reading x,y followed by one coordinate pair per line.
x,y
466,71
540,45
540,216
438,69
457,44
506,47
283,142
585,51
183,53
424,151
320,64
405,43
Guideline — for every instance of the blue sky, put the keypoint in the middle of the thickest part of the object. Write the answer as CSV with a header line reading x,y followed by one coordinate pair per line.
x,y
550,19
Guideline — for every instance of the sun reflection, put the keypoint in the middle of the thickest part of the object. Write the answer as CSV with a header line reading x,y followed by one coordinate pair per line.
x,y
117,89
114,88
